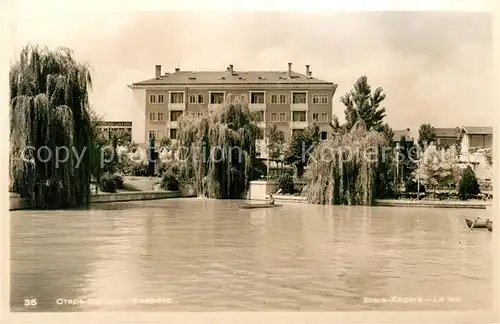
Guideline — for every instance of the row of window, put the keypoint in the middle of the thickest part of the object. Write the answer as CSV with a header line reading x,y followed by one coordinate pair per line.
x,y
174,115
173,134
255,98
297,116
160,134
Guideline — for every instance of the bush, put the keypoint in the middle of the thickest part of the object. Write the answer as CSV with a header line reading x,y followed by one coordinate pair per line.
x,y
412,186
285,183
169,182
468,185
259,170
107,182
118,180
276,173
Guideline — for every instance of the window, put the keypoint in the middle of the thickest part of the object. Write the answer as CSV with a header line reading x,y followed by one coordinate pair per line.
x,y
160,98
200,99
151,134
259,116
160,117
323,136
177,97
274,99
316,98
315,115
216,97
152,116
152,98
175,114
274,117
324,117
299,98
324,98
299,116
282,117
161,135
200,114
173,133
192,99
282,99
257,98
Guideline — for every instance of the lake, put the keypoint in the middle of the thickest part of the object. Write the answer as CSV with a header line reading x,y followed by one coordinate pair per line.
x,y
208,255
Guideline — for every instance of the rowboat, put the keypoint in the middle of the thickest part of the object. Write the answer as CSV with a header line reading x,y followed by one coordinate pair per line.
x,y
489,225
253,206
480,223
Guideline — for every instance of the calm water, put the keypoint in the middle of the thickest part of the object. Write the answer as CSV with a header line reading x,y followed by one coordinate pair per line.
x,y
205,255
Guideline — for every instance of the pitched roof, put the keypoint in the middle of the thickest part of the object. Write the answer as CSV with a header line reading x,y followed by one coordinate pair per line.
x,y
445,132
399,133
237,77
471,130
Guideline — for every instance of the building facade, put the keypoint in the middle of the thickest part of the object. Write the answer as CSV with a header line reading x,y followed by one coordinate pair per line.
x,y
447,137
115,127
291,100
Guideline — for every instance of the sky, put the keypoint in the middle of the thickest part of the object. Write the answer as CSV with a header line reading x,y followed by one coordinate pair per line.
x,y
435,67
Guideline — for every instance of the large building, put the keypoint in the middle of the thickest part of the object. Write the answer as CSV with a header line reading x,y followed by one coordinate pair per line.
x,y
115,127
290,99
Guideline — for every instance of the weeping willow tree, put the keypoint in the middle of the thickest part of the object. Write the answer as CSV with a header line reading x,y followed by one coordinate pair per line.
x,y
343,170
218,149
49,110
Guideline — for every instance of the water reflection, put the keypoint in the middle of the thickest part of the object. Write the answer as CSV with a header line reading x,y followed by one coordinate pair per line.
x,y
206,255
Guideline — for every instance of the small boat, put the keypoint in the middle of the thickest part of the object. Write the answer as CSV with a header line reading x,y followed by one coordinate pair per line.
x,y
489,225
480,223
253,206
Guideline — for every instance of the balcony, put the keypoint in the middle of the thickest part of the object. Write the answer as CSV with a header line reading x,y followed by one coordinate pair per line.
x,y
257,101
177,106
299,101
299,106
261,124
298,124
257,106
172,124
214,106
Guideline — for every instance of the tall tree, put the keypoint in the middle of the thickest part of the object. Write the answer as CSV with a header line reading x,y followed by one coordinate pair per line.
x,y
49,108
301,147
276,140
426,135
227,137
362,104
437,168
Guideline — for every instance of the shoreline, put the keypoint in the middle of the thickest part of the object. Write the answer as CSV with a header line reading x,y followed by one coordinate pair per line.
x,y
16,203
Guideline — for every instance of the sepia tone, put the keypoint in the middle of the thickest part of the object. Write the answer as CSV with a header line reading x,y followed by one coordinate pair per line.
x,y
278,228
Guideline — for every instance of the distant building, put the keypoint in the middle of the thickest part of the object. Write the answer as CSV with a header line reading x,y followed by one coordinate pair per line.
x,y
474,142
475,138
291,100
446,137
406,133
115,127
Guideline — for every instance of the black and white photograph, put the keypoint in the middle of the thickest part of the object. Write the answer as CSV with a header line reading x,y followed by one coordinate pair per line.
x,y
250,161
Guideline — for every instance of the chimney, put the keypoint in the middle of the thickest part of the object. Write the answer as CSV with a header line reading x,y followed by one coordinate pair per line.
x,y
290,70
307,70
158,71
177,69
231,68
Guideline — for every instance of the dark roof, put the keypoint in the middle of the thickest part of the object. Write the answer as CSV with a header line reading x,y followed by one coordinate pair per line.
x,y
446,132
237,77
399,133
471,130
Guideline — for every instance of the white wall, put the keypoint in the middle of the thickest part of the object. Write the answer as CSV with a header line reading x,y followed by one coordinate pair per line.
x,y
139,116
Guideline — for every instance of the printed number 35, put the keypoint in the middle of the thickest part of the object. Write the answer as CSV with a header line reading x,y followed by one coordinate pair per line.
x,y
30,302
